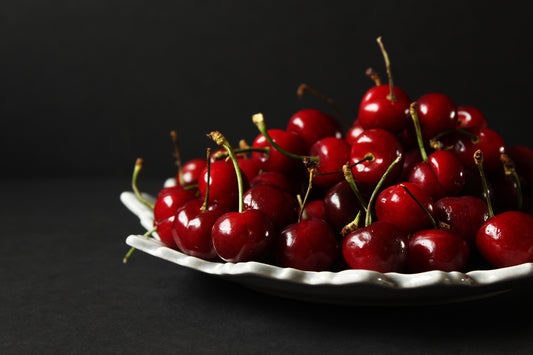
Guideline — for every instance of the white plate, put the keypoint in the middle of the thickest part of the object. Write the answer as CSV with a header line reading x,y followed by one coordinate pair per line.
x,y
349,287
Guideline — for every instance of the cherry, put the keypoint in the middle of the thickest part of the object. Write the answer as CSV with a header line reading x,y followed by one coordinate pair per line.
x,y
470,116
384,106
222,183
355,130
192,226
279,143
315,209
191,170
437,249
437,113
309,244
341,205
381,148
281,208
242,235
313,125
411,158
277,179
462,214
396,206
332,154
522,156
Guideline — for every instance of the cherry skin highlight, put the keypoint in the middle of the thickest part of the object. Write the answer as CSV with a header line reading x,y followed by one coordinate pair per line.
x,y
312,125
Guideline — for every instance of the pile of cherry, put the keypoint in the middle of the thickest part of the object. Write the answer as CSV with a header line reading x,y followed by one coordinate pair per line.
x,y
408,186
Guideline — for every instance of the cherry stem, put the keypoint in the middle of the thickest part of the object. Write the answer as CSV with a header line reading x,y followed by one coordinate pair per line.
x,y
433,222
174,137
434,141
306,196
414,115
139,164
204,206
224,154
510,170
368,217
219,139
391,96
368,157
303,214
259,121
352,226
304,87
478,159
348,176
372,74
132,249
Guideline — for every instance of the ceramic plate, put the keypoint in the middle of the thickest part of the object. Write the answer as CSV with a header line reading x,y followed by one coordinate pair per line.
x,y
348,287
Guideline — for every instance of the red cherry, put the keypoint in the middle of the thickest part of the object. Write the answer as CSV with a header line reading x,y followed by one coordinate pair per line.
x,y
411,158
341,205
307,245
277,179
222,184
192,228
379,246
395,206
332,154
437,113
248,166
441,175
383,148
191,171
278,205
463,214
522,156
485,139
275,160
506,239
470,116
315,209
437,249
313,125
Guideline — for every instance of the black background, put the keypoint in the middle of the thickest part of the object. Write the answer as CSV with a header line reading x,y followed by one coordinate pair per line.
x,y
86,87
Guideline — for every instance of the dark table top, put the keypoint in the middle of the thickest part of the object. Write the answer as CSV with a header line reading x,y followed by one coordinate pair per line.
x,y
64,289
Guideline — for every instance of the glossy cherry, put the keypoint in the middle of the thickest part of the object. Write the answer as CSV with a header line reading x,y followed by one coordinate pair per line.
x,y
437,113
332,154
382,147
309,244
341,205
437,249
379,246
355,130
312,125
470,116
315,209
191,171
462,214
394,205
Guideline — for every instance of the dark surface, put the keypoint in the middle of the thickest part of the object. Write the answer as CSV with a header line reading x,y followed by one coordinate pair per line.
x,y
65,290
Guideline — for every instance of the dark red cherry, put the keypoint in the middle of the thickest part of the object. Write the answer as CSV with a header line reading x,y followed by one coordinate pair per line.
x,y
248,166
308,245
411,158
275,160
341,205
485,139
243,236
522,156
192,228
280,207
395,206
463,214
191,171
315,209
223,187
382,147
506,239
470,116
277,179
378,110
437,113
354,131
441,175
379,247
437,249
312,125
332,154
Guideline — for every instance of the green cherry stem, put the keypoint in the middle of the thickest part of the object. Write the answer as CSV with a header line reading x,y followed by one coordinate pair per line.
x,y
391,96
418,131
377,188
348,176
433,221
259,121
177,153
203,208
224,154
368,157
220,140
374,76
478,159
306,196
132,249
352,226
139,164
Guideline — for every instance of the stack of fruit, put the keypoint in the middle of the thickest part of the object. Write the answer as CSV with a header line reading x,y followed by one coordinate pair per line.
x,y
408,186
